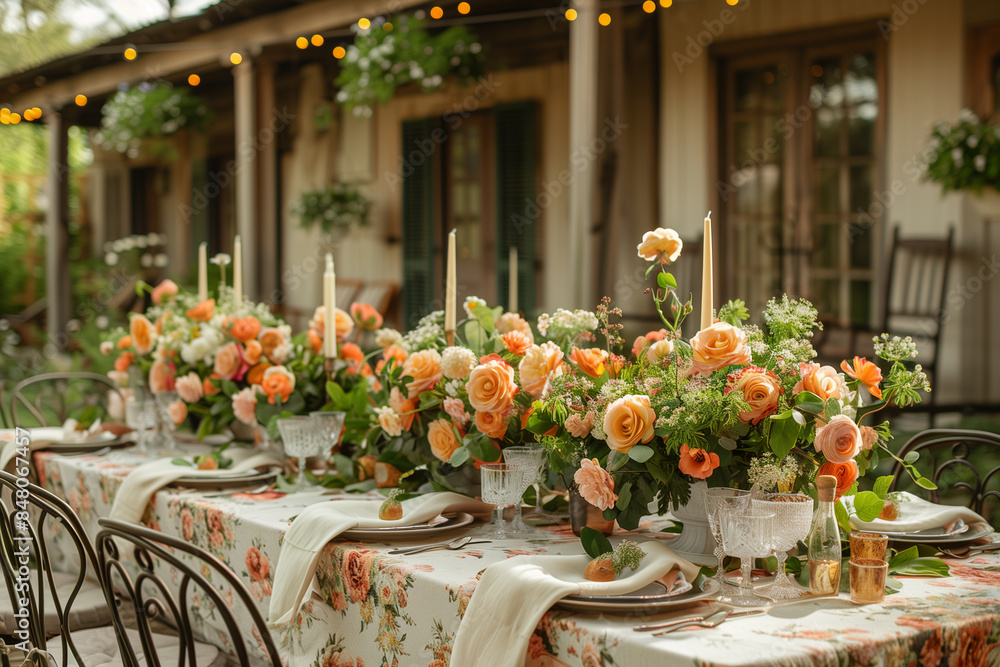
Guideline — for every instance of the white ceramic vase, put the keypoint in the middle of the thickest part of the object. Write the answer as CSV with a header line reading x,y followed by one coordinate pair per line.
x,y
695,542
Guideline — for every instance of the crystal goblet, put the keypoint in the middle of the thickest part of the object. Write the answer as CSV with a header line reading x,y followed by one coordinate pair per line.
x,y
501,486
328,428
299,437
723,500
792,519
140,415
530,460
746,535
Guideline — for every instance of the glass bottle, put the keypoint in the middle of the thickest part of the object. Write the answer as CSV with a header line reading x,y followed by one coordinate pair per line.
x,y
824,540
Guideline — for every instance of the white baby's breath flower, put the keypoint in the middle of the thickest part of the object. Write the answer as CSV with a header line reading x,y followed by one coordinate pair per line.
x,y
387,337
457,362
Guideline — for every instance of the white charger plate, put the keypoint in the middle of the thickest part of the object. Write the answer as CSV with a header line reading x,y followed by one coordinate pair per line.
x,y
976,531
436,525
649,599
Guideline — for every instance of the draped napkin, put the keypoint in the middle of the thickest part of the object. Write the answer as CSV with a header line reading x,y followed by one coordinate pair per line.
x,y
40,439
140,484
916,515
512,596
318,524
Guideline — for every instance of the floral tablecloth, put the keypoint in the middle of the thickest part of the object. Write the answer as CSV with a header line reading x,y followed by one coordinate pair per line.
x,y
378,609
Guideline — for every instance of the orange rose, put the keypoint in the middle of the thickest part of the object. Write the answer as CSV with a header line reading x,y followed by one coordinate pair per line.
x,y
245,329
342,324
207,385
868,373
824,381
161,376
697,463
160,321
278,381
353,355
846,474
491,424
229,362
274,344
642,341
203,312
315,341
424,368
392,356
660,244
491,386
761,390
141,330
256,374
124,341
123,361
629,421
164,290
252,352
516,342
839,440
366,316
404,407
540,364
590,360
441,435
718,346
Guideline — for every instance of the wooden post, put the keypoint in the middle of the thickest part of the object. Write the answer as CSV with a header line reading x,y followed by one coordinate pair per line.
x,y
246,195
57,286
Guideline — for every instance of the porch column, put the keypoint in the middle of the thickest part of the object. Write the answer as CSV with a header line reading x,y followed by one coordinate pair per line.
x,y
57,287
246,196
582,127
267,183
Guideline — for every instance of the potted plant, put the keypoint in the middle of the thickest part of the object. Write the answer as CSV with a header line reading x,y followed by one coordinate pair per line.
x,y
333,209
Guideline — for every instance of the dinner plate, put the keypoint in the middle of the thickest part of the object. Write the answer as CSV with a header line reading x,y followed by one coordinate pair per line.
x,y
227,481
213,439
976,531
649,599
437,525
56,445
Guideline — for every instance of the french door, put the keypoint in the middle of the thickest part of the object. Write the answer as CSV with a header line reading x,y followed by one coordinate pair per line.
x,y
800,164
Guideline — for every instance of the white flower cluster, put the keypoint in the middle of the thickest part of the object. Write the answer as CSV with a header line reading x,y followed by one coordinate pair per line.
x,y
426,334
387,337
766,473
112,249
895,348
471,301
566,323
457,362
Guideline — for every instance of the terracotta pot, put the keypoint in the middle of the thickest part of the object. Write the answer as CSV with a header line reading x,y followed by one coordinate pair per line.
x,y
582,513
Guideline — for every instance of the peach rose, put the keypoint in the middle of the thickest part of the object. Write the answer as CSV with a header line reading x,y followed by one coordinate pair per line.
x,y
846,474
516,342
123,361
190,387
178,412
629,421
274,345
165,290
245,405
353,355
141,330
256,374
697,463
824,381
839,440
513,322
245,329
342,324
124,342
642,341
590,360
278,381
424,368
491,386
663,245
491,424
252,351
207,387
455,408
203,312
404,407
229,362
366,316
718,346
161,376
595,484
659,350
579,427
869,437
540,364
315,341
441,435
389,421
761,390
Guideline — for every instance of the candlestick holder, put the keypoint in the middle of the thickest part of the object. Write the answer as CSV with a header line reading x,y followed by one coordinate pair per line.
x,y
449,337
330,366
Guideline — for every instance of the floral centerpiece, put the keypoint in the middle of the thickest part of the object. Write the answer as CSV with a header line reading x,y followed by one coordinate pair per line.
x,y
739,404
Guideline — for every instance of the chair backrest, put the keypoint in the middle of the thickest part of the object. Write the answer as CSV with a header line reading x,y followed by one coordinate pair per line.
x,y
964,464
27,535
49,399
152,598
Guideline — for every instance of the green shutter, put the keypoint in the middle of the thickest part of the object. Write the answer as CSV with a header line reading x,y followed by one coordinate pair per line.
x,y
419,217
515,199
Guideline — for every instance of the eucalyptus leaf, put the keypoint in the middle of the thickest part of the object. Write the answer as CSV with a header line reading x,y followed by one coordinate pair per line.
x,y
640,453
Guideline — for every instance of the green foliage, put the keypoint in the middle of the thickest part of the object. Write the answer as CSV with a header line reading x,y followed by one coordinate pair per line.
x,y
148,111
966,155
594,542
338,206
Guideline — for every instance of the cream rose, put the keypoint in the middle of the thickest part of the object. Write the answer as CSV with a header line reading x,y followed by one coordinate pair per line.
x,y
389,421
839,440
824,381
425,370
540,364
491,386
660,244
659,350
718,346
142,333
629,421
441,436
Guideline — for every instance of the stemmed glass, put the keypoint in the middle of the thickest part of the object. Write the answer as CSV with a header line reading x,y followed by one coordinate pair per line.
x,y
720,501
165,425
746,535
530,460
140,415
502,485
792,519
299,436
328,426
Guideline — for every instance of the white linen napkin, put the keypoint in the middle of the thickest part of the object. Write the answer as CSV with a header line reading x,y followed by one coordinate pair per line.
x,y
512,596
915,514
140,484
40,438
320,523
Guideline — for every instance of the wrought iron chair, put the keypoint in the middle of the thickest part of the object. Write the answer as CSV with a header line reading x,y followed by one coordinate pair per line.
x,y
152,599
964,464
56,605
50,398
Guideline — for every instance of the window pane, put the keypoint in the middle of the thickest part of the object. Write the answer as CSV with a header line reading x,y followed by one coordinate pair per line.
x,y
770,183
827,125
826,297
827,190
860,177
861,301
746,89
747,199
860,81
861,242
826,246
861,134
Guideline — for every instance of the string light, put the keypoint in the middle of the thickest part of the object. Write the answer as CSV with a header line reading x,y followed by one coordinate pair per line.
x,y
36,112
464,8
15,118
194,80
436,12
731,2
5,119
649,6
604,19
317,40
570,14
302,42
666,3
27,114
235,58
130,53
364,24
81,100
339,52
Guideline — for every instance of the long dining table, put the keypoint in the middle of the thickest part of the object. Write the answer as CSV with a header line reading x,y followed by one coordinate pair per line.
x,y
373,608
